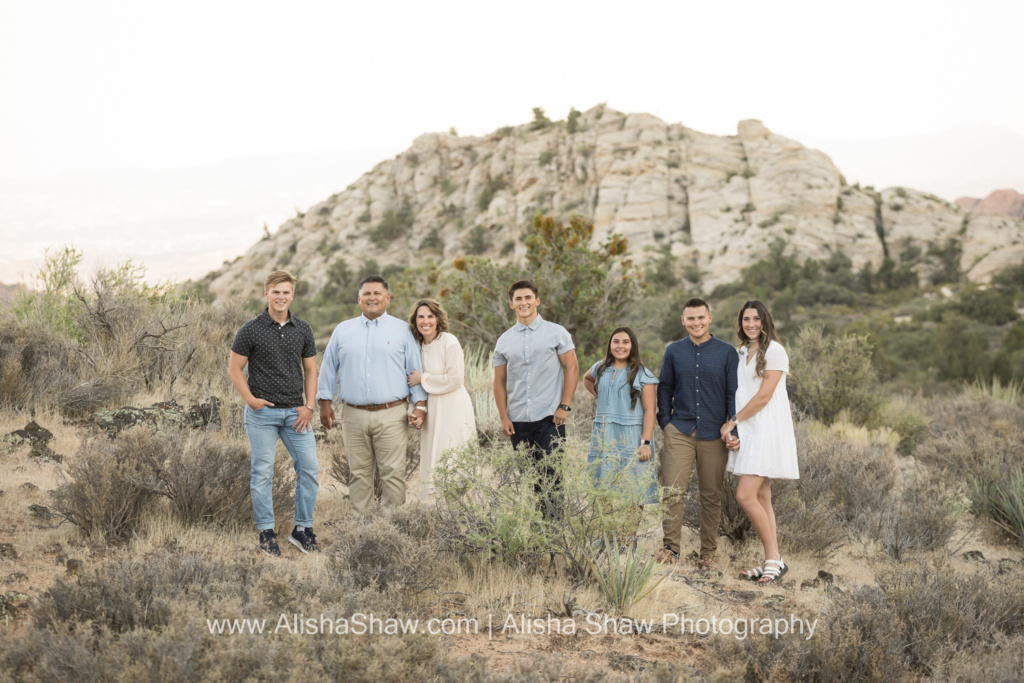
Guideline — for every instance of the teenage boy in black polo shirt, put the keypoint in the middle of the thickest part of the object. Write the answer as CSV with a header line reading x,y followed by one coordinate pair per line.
x,y
279,395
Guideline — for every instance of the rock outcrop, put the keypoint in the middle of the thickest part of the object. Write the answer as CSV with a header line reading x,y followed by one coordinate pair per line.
x,y
714,203
1000,203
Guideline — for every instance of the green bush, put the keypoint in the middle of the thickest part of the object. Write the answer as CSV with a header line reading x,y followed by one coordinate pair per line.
x,y
496,500
394,225
832,374
493,186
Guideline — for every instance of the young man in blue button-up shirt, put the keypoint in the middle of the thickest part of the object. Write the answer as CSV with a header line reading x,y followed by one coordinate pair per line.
x,y
368,362
696,396
535,377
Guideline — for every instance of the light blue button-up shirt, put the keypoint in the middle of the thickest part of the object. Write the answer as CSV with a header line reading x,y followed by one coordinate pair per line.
x,y
534,375
369,361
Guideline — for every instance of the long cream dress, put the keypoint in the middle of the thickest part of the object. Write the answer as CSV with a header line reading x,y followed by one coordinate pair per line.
x,y
450,422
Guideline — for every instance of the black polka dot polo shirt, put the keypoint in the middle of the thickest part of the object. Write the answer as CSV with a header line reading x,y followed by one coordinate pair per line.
x,y
275,354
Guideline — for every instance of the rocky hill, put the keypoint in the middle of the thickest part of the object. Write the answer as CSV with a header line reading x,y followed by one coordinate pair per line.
x,y
1000,202
713,202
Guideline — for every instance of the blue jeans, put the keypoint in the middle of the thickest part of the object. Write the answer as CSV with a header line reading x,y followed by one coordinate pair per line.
x,y
264,426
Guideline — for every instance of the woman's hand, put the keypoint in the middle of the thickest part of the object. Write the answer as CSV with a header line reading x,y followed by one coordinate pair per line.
x,y
727,430
414,378
644,452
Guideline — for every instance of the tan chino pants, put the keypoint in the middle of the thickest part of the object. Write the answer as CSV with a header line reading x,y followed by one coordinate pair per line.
x,y
678,457
375,440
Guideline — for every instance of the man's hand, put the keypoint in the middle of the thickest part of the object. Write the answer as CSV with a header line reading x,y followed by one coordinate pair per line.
x,y
506,427
561,416
302,423
416,418
732,443
414,378
258,403
326,414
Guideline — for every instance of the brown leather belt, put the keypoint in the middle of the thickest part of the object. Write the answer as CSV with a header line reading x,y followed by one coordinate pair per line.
x,y
378,406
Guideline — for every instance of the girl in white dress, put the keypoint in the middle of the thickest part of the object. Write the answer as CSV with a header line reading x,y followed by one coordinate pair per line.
x,y
449,422
765,424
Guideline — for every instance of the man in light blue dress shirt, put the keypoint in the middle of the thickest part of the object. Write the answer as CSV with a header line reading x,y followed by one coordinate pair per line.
x,y
535,377
367,362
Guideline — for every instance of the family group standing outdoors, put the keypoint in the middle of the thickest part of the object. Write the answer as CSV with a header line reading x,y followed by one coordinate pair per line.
x,y
721,408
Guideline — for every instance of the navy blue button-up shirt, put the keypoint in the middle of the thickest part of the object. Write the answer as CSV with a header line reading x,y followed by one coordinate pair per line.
x,y
697,387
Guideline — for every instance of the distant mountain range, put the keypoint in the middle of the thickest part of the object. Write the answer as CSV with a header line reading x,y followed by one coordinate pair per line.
x,y
714,203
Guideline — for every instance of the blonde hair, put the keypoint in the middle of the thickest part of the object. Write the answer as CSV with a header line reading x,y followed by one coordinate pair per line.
x,y
277,277
437,309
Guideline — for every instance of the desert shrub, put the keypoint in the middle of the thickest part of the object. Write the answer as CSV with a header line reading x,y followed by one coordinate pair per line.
x,y
79,345
394,225
108,484
832,374
372,552
495,499
921,518
914,623
844,480
907,420
979,441
128,595
207,482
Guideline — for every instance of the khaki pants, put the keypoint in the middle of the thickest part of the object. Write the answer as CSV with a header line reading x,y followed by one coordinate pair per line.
x,y
677,459
375,440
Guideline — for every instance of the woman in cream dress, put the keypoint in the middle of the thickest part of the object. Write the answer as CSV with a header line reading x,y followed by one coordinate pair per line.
x,y
449,422
765,425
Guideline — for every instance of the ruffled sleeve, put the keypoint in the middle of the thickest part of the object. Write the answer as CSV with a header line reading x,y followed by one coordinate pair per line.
x,y
593,369
776,358
454,375
643,377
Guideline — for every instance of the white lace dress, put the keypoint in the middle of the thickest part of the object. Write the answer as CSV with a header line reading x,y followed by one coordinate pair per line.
x,y
767,440
450,421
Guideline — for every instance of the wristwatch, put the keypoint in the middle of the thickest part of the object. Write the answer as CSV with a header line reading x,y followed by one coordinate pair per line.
x,y
422,407
564,406
645,442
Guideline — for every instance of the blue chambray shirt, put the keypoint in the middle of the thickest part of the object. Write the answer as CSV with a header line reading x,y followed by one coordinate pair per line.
x,y
534,375
369,361
697,387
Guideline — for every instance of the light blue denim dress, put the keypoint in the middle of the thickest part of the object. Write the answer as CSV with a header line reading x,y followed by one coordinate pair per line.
x,y
616,436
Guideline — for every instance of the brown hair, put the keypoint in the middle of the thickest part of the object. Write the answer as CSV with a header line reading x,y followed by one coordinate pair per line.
x,y
276,278
437,309
522,284
767,332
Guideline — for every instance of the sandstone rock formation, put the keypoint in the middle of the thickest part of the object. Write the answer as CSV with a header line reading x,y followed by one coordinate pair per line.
x,y
714,203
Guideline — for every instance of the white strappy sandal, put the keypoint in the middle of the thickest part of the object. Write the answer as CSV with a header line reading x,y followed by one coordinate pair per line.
x,y
752,574
773,571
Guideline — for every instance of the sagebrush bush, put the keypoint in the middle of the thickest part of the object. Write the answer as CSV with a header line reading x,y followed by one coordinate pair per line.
x,y
207,482
979,441
77,345
371,552
920,518
108,484
915,623
844,482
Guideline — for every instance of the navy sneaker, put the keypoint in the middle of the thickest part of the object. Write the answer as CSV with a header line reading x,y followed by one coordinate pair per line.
x,y
304,540
268,542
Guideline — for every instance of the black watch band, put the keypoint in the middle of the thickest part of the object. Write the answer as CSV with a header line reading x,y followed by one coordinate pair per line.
x,y
645,442
564,406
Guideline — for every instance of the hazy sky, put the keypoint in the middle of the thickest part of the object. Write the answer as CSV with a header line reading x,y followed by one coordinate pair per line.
x,y
104,85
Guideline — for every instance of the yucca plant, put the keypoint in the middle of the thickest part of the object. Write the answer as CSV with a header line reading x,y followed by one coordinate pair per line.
x,y
625,578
